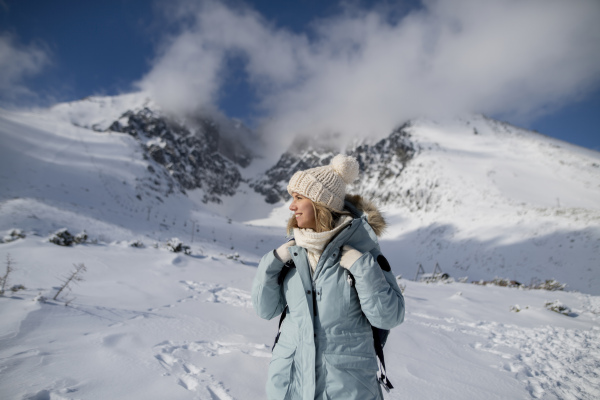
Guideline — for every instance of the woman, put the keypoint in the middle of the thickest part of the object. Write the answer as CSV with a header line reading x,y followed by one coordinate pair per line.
x,y
333,293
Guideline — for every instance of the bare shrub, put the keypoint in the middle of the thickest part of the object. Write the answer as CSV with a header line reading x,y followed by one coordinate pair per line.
x,y
13,235
517,308
73,277
63,237
137,244
80,238
549,284
503,282
558,307
176,246
16,288
4,279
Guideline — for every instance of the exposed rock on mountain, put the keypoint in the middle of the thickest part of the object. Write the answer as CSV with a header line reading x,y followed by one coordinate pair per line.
x,y
273,184
194,158
380,166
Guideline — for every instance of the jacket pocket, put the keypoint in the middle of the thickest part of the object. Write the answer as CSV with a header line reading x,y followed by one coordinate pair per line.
x,y
351,376
281,372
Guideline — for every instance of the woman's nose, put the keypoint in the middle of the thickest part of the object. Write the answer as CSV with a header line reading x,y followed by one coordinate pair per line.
x,y
293,206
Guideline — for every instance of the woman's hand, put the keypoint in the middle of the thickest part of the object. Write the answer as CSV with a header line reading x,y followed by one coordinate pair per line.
x,y
282,252
349,256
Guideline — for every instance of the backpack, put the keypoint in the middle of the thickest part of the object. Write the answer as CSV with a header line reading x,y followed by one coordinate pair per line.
x,y
379,335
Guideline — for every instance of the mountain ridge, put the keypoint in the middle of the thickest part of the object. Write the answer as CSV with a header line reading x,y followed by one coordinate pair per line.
x,y
479,197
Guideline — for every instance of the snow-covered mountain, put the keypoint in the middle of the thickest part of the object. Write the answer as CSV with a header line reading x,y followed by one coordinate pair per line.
x,y
479,197
482,197
381,165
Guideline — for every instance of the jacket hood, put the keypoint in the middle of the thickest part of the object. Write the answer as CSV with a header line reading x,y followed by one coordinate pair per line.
x,y
360,206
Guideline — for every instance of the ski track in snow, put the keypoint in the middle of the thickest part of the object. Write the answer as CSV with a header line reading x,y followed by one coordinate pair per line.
x,y
180,361
552,362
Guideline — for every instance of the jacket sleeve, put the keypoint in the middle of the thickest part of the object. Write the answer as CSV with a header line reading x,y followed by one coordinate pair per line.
x,y
267,295
380,297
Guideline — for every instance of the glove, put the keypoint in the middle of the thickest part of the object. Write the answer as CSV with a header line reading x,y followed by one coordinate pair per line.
x,y
349,256
282,253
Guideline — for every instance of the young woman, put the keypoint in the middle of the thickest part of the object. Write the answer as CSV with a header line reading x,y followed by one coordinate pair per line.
x,y
336,286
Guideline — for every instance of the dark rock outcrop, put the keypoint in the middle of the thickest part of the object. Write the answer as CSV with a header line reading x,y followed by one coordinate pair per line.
x,y
193,158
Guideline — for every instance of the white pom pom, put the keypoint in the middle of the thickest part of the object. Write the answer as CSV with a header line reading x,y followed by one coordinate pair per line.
x,y
346,167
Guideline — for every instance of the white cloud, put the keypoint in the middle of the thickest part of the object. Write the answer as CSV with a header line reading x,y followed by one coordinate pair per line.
x,y
361,74
17,63
186,76
191,66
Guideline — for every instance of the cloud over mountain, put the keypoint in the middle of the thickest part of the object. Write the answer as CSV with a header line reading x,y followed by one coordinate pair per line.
x,y
17,62
364,72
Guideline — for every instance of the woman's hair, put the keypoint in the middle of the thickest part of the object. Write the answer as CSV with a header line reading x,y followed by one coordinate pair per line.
x,y
325,218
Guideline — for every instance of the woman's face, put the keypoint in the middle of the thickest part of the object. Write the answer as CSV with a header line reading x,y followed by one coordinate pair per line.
x,y
303,211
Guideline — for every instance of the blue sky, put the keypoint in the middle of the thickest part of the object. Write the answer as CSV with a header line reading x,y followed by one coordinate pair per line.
x,y
315,65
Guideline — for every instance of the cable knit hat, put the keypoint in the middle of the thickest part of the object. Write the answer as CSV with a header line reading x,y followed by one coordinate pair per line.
x,y
326,184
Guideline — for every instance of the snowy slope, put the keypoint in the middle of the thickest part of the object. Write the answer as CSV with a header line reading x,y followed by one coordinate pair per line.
x,y
502,202
55,174
150,323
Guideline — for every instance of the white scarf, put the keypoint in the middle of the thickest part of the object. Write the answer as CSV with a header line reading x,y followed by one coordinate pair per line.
x,y
315,243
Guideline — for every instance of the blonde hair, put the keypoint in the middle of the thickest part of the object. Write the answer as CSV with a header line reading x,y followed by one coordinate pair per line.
x,y
325,218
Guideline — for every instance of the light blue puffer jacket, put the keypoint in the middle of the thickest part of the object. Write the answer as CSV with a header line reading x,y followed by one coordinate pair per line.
x,y
325,350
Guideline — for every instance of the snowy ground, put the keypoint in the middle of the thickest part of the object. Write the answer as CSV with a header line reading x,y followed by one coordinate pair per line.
x,y
152,324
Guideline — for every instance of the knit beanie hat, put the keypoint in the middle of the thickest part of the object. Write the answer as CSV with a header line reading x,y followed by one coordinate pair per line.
x,y
326,184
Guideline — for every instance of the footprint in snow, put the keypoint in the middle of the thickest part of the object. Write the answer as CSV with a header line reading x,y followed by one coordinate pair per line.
x,y
178,361
215,293
552,362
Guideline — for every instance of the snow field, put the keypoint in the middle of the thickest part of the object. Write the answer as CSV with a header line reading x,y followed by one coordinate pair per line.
x,y
142,321
148,323
476,348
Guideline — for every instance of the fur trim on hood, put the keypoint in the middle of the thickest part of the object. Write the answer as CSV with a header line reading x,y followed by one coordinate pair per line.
x,y
374,217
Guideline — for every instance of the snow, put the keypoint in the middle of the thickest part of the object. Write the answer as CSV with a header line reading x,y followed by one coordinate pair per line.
x,y
503,202
148,323
100,112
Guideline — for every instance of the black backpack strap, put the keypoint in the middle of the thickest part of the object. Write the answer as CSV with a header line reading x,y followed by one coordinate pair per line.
x,y
380,337
279,329
284,271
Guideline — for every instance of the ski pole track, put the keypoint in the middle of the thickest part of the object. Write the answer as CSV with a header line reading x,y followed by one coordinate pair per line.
x,y
180,360
552,362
